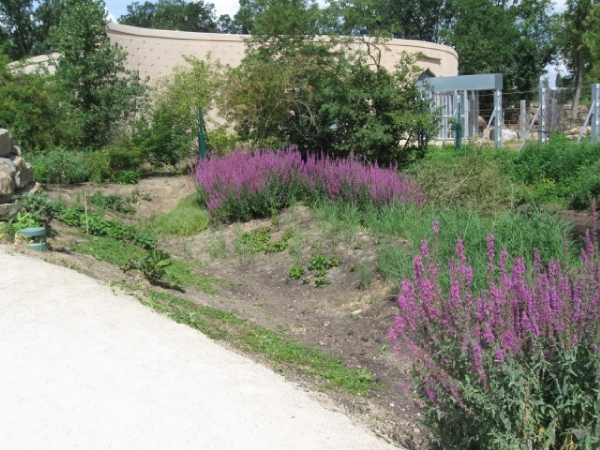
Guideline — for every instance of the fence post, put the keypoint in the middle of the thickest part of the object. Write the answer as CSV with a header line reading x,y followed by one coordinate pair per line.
x,y
543,121
201,134
523,118
596,111
499,118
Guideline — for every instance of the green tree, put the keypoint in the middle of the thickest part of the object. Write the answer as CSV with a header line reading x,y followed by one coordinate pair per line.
x,y
26,29
178,15
571,29
295,87
591,39
98,92
30,108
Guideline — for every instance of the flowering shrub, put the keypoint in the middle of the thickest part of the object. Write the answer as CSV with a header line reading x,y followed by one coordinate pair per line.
x,y
245,184
515,366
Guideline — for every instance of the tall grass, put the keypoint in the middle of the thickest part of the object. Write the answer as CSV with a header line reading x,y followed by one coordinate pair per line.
x,y
518,233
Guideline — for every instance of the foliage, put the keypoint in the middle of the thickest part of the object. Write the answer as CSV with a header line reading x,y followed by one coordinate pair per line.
x,y
25,28
97,226
560,169
260,240
112,202
514,365
40,208
242,185
320,98
476,180
29,107
296,272
179,15
59,166
187,218
154,268
97,92
169,127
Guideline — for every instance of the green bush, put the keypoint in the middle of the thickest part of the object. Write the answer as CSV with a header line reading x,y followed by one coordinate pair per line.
x,y
586,187
168,130
60,166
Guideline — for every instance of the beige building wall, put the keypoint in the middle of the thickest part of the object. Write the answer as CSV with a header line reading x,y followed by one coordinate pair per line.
x,y
154,53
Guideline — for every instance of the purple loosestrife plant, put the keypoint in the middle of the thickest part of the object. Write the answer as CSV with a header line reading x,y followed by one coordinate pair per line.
x,y
515,366
245,184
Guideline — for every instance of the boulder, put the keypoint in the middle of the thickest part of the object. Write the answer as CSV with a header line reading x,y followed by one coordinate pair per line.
x,y
24,174
5,142
7,182
15,150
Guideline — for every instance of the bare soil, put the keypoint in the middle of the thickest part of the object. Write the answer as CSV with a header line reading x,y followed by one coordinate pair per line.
x,y
348,318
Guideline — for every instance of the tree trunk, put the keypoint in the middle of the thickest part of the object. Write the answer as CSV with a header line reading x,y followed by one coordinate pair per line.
x,y
579,87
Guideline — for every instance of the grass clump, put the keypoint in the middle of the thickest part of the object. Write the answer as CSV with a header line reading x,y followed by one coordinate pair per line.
x,y
275,346
187,218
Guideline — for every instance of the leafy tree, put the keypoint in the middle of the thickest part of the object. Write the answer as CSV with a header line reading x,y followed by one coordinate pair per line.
x,y
571,29
169,126
178,15
98,92
25,28
591,38
296,88
30,109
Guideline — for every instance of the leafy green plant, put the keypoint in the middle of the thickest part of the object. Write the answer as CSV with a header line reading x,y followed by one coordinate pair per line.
x,y
154,268
39,207
261,240
112,202
296,272
322,282
98,226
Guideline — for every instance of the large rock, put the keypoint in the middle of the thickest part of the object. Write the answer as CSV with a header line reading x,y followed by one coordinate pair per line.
x,y
7,182
15,150
24,174
5,142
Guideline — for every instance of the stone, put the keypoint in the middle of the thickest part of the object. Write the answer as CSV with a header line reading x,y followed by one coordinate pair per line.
x,y
24,174
5,142
6,198
15,150
10,166
7,182
5,210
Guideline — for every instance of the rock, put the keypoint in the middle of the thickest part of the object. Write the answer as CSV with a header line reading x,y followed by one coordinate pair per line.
x,y
24,174
10,166
5,199
5,210
5,142
15,150
7,182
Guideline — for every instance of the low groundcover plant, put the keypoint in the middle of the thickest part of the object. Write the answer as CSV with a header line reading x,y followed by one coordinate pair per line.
x,y
514,366
245,184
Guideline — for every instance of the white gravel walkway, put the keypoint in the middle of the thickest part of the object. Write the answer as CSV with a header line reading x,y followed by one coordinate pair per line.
x,y
84,368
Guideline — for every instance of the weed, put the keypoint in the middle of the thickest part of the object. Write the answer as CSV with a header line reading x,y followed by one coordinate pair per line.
x,y
296,272
153,266
321,281
366,274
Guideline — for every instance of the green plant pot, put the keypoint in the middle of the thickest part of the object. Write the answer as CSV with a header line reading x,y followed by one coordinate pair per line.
x,y
39,238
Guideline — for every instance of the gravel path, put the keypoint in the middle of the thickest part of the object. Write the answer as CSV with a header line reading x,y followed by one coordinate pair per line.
x,y
84,368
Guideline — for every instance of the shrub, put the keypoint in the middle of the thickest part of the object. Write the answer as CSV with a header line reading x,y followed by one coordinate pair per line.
x,y
60,166
243,184
513,367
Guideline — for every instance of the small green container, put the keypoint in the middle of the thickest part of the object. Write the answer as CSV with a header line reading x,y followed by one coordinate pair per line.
x,y
39,238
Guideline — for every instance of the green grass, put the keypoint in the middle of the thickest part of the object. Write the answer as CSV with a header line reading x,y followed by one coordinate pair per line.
x,y
518,233
275,346
187,218
119,253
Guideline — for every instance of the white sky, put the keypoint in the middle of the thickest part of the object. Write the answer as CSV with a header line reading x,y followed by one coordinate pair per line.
x,y
117,8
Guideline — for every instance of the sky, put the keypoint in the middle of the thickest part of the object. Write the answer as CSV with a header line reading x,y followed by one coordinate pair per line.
x,y
117,8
